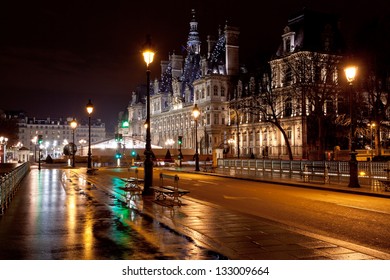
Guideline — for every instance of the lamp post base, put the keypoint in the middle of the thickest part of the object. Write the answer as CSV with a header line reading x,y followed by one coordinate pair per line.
x,y
148,174
197,162
353,171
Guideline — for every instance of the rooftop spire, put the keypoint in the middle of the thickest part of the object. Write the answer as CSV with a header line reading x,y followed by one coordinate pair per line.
x,y
193,43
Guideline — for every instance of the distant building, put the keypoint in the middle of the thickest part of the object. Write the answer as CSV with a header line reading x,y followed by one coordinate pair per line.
x,y
56,133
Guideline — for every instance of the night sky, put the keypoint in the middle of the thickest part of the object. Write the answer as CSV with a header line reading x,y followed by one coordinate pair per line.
x,y
55,55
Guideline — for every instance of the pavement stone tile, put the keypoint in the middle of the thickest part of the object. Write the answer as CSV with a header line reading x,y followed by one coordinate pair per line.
x,y
318,244
351,256
283,247
306,253
216,234
335,250
267,256
267,242
294,238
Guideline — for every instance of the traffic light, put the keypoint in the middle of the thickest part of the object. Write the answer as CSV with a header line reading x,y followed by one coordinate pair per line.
x,y
118,155
40,139
133,153
118,137
180,140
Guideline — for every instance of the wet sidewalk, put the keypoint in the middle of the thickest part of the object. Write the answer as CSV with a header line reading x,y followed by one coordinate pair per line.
x,y
243,237
239,236
231,234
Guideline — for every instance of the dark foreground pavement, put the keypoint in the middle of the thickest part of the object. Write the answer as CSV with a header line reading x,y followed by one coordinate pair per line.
x,y
231,234
239,236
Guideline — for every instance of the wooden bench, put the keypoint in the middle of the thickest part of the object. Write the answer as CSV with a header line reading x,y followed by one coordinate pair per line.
x,y
208,168
132,186
173,192
92,171
310,171
385,184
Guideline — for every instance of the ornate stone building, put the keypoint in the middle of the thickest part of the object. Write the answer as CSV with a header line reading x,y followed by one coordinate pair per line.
x,y
282,112
199,79
302,80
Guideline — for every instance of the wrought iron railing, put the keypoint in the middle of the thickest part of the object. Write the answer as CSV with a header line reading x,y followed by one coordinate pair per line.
x,y
9,183
302,170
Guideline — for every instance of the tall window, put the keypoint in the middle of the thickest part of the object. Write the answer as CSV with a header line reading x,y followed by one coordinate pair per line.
x,y
288,107
215,90
216,119
288,76
222,91
289,133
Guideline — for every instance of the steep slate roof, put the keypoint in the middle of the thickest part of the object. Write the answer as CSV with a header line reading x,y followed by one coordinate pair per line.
x,y
315,31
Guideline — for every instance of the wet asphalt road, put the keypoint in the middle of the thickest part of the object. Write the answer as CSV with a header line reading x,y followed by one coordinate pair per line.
x,y
58,215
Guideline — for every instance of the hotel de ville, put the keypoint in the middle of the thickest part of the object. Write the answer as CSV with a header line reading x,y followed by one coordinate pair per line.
x,y
279,111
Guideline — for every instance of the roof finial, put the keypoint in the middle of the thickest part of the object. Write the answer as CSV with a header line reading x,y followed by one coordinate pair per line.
x,y
193,14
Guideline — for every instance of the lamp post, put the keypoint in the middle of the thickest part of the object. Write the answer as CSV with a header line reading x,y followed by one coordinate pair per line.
x,y
73,125
82,142
372,145
350,74
231,142
148,55
169,142
3,141
89,108
35,141
195,114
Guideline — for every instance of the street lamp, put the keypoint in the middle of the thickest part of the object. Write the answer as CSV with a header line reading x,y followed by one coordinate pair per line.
x,y
148,55
82,142
195,114
350,74
372,145
89,108
169,142
3,141
73,125
231,142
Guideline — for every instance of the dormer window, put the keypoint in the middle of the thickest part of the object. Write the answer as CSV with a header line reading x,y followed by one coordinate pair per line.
x,y
288,40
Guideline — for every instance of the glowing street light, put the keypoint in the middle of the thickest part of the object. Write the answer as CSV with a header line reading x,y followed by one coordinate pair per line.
x,y
169,142
148,54
3,141
231,142
73,125
195,114
89,108
350,74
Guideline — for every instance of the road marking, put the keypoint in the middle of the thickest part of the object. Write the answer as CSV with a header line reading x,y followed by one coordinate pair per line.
x,y
240,197
188,179
362,208
206,182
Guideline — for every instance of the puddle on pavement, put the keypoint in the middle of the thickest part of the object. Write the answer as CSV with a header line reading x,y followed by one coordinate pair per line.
x,y
124,233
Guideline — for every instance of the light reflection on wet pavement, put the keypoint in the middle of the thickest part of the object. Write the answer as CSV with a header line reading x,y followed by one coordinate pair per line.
x,y
59,215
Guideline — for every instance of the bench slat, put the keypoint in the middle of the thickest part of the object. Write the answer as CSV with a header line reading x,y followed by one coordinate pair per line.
x,y
175,189
163,191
